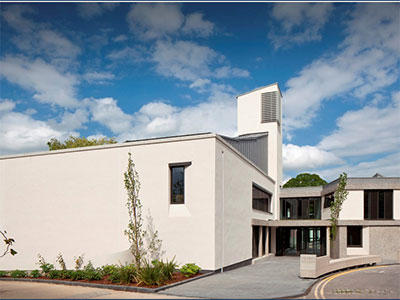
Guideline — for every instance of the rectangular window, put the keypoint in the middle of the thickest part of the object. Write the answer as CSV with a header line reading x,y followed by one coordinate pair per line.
x,y
178,182
261,199
301,208
354,236
378,204
329,200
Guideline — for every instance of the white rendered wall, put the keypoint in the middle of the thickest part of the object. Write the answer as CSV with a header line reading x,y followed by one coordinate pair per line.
x,y
396,204
249,121
74,202
353,206
233,210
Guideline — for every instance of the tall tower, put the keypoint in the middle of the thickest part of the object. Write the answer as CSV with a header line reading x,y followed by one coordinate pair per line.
x,y
260,110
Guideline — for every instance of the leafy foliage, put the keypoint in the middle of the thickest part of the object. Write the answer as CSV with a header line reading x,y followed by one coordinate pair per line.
x,y
134,232
9,242
336,206
3,273
74,142
61,261
55,274
46,267
35,274
305,179
79,261
190,269
18,274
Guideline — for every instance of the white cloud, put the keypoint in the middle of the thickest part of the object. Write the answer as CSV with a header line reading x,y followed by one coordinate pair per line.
x,y
120,38
189,61
307,157
91,10
127,54
370,130
363,65
387,166
200,83
19,132
183,60
39,38
107,112
226,72
49,85
155,20
299,23
70,120
195,24
98,77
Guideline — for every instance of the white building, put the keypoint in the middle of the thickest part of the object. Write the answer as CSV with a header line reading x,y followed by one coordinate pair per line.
x,y
215,200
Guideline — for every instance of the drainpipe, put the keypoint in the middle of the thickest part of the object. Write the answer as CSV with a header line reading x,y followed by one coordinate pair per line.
x,y
223,211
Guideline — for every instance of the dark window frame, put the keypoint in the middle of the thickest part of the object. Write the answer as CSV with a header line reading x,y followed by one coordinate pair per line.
x,y
298,208
354,241
269,199
171,167
329,199
378,205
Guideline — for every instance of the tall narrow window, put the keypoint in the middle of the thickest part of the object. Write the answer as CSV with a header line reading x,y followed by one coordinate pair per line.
x,y
178,182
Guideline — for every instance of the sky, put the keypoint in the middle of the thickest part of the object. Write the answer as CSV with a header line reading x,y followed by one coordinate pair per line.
x,y
141,70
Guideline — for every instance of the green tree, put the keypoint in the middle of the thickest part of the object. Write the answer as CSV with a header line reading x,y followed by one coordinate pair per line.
x,y
134,232
74,142
305,179
336,206
9,242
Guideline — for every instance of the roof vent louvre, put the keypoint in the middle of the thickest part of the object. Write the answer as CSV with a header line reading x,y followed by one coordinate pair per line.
x,y
270,107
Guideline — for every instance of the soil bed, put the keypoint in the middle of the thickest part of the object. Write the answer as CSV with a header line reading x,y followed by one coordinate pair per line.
x,y
176,277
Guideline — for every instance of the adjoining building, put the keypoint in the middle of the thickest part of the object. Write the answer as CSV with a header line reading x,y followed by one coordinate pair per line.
x,y
215,200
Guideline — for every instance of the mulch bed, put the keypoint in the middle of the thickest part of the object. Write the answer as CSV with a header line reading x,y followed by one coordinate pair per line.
x,y
176,277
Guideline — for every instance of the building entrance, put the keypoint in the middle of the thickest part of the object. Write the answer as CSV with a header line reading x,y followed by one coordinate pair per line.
x,y
301,240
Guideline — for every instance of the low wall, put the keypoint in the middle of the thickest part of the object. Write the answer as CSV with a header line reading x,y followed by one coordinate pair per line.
x,y
312,266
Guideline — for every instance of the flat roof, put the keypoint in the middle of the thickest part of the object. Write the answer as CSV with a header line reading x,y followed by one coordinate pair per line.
x,y
260,88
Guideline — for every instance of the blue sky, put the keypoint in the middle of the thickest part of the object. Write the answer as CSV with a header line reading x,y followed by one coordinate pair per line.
x,y
129,71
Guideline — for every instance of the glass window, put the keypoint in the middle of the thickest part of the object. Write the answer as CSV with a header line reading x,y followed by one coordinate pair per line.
x,y
354,236
178,185
378,204
328,200
261,199
301,208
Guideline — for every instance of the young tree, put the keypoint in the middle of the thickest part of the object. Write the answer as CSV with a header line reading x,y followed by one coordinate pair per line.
x,y
134,232
9,242
336,206
75,142
305,179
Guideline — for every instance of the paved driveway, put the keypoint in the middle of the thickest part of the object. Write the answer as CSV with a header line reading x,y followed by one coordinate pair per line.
x,y
275,278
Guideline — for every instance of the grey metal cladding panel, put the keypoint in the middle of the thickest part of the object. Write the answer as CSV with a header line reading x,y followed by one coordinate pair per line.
x,y
270,107
256,150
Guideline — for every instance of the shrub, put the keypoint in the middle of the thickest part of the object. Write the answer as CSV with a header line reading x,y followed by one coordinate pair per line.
x,y
167,269
18,274
92,274
115,275
189,270
61,261
3,273
128,273
79,262
151,274
35,274
46,267
108,269
66,274
55,274
77,275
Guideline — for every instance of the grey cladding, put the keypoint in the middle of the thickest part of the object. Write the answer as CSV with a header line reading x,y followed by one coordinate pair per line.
x,y
270,107
252,146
